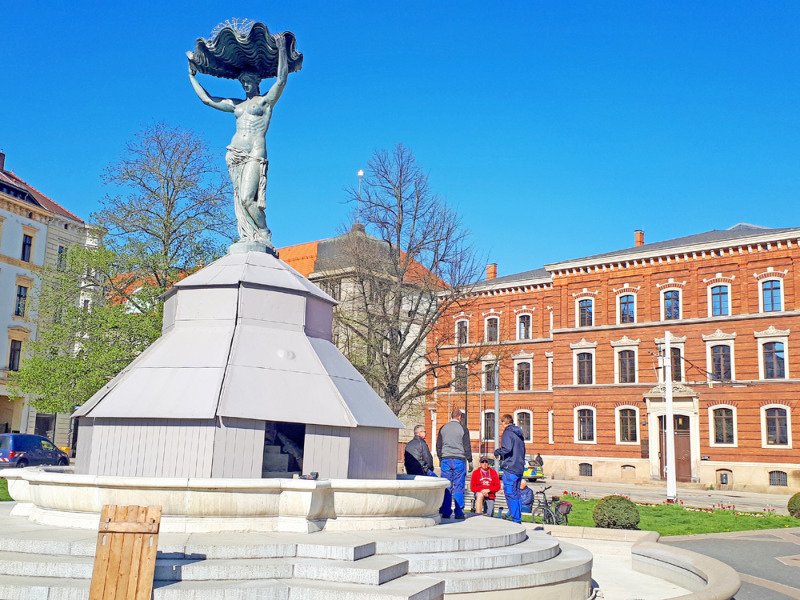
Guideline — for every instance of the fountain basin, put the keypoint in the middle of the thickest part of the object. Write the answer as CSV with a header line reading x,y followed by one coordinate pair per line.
x,y
228,505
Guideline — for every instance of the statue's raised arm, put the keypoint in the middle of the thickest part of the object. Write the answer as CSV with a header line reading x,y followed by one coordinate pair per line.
x,y
248,52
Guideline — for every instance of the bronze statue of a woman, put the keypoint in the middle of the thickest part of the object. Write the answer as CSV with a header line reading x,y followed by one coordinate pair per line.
x,y
247,152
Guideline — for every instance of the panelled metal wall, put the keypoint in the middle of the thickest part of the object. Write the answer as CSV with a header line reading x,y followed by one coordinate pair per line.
x,y
174,448
225,448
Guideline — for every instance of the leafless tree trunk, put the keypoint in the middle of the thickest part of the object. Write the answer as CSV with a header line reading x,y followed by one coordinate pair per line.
x,y
409,263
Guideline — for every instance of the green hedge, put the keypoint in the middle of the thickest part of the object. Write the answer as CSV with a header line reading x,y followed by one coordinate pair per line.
x,y
794,505
616,512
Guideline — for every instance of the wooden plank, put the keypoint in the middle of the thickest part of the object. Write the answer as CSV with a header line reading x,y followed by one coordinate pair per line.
x,y
125,559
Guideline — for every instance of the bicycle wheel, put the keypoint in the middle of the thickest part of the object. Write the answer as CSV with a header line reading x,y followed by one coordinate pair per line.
x,y
561,519
548,517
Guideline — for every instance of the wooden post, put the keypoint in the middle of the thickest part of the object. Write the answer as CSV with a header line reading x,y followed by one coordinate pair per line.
x,y
125,560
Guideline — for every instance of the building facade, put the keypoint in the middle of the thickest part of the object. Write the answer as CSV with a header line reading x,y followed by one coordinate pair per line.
x,y
581,360
34,231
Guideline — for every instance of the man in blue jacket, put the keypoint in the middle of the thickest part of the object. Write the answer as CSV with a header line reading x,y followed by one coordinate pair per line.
x,y
512,453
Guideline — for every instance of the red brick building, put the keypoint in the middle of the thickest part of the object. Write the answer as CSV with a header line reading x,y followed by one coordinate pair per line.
x,y
578,345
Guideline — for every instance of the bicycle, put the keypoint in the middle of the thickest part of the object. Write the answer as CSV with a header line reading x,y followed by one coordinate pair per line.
x,y
551,514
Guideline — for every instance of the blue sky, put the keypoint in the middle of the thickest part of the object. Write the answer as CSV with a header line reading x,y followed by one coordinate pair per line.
x,y
555,128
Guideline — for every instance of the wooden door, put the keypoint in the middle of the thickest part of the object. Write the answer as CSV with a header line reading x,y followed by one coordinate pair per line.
x,y
683,447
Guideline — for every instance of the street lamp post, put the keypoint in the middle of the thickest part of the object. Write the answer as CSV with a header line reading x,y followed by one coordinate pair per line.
x,y
358,210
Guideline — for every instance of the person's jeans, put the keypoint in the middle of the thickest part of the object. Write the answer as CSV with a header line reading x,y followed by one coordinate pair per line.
x,y
447,500
511,490
455,471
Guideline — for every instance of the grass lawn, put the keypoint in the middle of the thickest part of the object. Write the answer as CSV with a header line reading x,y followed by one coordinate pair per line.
x,y
671,519
4,491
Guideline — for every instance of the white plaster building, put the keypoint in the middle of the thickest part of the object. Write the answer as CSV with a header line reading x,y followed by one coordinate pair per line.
x,y
34,232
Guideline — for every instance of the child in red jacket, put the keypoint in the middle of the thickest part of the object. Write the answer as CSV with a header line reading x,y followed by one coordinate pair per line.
x,y
485,483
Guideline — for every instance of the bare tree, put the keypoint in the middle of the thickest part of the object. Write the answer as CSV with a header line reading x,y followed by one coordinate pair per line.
x,y
173,213
408,264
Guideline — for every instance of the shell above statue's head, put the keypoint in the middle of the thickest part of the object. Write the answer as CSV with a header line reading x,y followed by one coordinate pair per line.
x,y
236,47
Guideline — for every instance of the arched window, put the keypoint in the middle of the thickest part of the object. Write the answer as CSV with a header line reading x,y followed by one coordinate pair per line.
x,y
724,426
775,426
771,296
778,478
774,361
585,312
524,420
585,424
627,309
721,362
462,332
672,304
523,376
488,425
627,366
492,329
585,368
719,300
524,327
585,470
627,425
460,374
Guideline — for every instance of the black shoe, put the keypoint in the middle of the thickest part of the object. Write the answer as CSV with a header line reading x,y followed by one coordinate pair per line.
x,y
460,517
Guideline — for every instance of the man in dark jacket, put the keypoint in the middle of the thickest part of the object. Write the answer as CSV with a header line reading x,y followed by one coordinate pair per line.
x,y
454,451
417,458
512,453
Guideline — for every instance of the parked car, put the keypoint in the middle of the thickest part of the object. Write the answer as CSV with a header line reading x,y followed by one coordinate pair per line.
x,y
24,450
533,472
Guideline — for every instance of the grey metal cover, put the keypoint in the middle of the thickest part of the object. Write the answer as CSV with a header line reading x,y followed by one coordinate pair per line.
x,y
249,366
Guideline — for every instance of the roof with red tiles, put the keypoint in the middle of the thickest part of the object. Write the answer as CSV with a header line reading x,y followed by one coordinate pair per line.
x,y
36,197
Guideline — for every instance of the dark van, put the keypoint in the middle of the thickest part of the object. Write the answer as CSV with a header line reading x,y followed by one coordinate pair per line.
x,y
23,450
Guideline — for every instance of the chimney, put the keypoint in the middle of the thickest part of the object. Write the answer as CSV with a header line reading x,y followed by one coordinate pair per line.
x,y
491,271
2,161
639,237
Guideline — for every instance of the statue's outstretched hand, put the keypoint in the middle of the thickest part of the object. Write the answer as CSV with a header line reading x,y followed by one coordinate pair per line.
x,y
192,68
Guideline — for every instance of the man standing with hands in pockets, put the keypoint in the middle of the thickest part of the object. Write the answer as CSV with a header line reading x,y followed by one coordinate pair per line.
x,y
512,453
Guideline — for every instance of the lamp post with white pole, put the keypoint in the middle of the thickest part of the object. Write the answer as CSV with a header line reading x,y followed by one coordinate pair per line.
x,y
358,210
669,425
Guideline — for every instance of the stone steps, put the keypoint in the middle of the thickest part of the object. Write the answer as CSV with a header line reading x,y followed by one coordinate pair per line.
x,y
479,554
532,550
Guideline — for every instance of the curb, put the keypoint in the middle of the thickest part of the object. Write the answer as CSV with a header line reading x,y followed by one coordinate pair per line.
x,y
708,578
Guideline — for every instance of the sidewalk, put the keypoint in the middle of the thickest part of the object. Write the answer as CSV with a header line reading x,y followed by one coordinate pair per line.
x,y
656,492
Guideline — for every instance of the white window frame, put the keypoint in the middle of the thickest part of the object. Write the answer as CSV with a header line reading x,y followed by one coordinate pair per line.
x,y
517,362
773,335
619,441
578,311
663,294
516,422
676,342
719,338
486,364
456,330
788,410
619,349
635,308
761,293
711,441
483,425
486,328
551,417
710,302
530,325
577,428
575,354
453,376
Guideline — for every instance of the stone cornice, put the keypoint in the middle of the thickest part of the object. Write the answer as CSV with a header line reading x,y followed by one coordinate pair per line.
x,y
625,341
674,340
583,345
719,335
771,331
